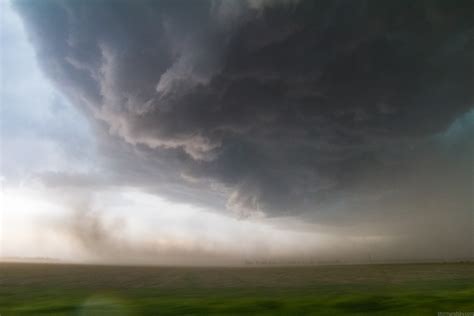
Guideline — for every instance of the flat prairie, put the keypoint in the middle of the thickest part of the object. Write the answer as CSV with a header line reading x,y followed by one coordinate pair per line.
x,y
378,289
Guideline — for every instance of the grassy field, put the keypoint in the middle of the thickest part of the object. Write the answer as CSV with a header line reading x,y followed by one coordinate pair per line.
x,y
405,289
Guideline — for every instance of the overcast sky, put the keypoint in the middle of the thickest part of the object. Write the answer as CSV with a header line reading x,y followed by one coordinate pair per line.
x,y
221,132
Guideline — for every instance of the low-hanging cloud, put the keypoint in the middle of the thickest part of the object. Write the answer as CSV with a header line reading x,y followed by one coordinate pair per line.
x,y
343,112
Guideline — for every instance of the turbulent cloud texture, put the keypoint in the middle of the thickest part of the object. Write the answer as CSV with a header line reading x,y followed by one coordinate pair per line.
x,y
346,112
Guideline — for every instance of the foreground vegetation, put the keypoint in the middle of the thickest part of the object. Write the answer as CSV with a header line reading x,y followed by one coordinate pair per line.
x,y
416,289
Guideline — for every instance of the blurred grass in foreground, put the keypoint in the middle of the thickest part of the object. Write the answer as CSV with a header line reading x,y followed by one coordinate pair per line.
x,y
401,289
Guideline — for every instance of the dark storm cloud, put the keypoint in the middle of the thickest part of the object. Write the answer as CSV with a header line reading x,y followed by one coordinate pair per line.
x,y
331,109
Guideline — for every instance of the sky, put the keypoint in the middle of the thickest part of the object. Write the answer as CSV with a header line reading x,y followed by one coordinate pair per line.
x,y
237,132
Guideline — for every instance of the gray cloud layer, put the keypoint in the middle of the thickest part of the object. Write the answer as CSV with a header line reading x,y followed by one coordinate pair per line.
x,y
339,111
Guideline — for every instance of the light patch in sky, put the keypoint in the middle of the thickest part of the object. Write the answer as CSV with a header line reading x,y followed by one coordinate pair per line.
x,y
40,130
141,228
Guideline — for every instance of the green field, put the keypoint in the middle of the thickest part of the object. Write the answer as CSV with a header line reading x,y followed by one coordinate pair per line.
x,y
402,289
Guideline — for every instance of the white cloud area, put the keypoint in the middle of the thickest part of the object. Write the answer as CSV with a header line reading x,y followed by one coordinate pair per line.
x,y
40,130
128,226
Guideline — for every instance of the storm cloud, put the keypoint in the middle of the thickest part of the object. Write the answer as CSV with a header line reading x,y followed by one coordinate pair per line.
x,y
354,114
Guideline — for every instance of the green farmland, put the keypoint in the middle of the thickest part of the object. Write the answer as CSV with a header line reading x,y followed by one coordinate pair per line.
x,y
397,289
